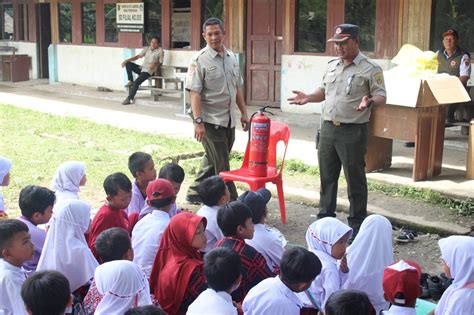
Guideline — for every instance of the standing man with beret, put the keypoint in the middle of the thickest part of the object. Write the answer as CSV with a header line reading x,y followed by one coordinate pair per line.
x,y
351,85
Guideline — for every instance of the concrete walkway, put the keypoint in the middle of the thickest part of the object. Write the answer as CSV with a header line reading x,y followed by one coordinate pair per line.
x,y
161,117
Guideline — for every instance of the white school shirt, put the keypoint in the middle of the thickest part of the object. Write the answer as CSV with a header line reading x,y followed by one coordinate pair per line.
x,y
210,302
11,280
268,244
137,202
400,310
368,256
213,232
146,236
271,296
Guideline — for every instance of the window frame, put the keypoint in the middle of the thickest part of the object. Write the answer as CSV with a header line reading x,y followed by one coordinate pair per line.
x,y
72,23
2,29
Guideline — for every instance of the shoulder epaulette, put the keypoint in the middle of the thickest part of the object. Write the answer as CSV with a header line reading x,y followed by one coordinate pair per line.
x,y
199,53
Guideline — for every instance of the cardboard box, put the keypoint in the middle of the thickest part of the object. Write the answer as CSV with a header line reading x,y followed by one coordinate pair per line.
x,y
407,91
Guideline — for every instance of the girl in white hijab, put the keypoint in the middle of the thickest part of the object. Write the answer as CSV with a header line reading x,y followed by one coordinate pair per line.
x,y
327,238
5,167
370,253
67,180
457,253
123,286
65,249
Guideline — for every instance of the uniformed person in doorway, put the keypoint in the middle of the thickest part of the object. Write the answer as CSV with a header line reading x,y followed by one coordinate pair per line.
x,y
215,86
351,85
455,61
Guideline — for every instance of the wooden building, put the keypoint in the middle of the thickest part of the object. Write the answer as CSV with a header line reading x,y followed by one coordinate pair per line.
x,y
282,43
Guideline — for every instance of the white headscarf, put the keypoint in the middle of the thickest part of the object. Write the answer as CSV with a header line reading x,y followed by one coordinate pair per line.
x,y
68,176
65,249
324,233
458,253
123,286
368,256
5,167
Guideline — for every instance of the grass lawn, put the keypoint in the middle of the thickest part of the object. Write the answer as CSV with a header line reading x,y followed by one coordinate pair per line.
x,y
38,143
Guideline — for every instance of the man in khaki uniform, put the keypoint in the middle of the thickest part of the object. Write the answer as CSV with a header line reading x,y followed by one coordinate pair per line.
x,y
153,59
215,86
351,85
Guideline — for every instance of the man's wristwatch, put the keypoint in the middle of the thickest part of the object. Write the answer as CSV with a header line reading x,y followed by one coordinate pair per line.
x,y
198,120
370,103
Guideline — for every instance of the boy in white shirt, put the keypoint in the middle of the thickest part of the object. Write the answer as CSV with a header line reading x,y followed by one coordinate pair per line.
x,y
222,271
15,248
401,285
277,296
264,241
348,302
214,193
146,234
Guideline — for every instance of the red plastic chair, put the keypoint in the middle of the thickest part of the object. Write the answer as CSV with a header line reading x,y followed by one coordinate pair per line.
x,y
278,132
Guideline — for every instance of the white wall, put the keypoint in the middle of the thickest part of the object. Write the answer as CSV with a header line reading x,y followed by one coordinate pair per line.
x,y
25,48
101,66
304,73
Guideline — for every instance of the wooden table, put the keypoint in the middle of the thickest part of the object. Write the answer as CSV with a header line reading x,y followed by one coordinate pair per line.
x,y
422,125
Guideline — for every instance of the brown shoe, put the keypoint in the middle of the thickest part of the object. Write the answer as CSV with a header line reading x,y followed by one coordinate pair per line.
x,y
129,84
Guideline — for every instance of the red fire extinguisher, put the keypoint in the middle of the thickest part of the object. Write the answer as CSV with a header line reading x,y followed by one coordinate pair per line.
x,y
259,137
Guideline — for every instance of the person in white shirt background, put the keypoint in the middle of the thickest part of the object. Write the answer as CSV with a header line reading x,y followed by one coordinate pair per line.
x,y
222,269
46,292
264,240
15,248
401,285
146,234
214,194
277,296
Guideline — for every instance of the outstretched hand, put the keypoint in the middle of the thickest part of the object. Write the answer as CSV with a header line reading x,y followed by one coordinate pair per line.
x,y
300,98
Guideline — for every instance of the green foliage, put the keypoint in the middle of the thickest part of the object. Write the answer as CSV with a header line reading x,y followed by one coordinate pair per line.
x,y
311,26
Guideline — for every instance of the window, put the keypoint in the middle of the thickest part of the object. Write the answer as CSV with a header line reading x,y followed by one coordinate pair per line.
x,y
23,22
88,22
110,22
65,22
456,14
7,21
181,24
362,13
152,20
311,26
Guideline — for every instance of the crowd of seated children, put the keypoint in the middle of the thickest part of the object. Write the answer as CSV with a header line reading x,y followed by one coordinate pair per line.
x,y
142,168
68,179
15,249
36,205
222,269
46,293
5,167
368,256
177,276
264,241
112,244
235,221
327,238
401,285
123,285
118,188
214,194
147,233
299,267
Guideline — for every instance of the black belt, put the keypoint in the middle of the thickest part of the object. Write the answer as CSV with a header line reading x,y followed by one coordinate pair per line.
x,y
217,127
338,123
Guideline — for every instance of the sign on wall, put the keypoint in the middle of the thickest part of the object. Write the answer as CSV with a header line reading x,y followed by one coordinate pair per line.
x,y
130,17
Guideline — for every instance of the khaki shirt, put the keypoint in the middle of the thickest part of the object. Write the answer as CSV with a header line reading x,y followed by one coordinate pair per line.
x,y
217,79
345,85
151,56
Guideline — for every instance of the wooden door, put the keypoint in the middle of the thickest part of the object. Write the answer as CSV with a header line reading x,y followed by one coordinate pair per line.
x,y
264,44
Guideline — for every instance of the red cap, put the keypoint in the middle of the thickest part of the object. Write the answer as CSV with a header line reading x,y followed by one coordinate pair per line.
x,y
159,189
451,32
402,277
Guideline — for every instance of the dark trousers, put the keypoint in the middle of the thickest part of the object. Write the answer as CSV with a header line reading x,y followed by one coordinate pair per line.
x,y
142,76
217,145
344,145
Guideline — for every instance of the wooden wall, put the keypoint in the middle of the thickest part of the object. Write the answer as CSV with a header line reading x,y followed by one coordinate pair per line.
x,y
234,11
415,23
